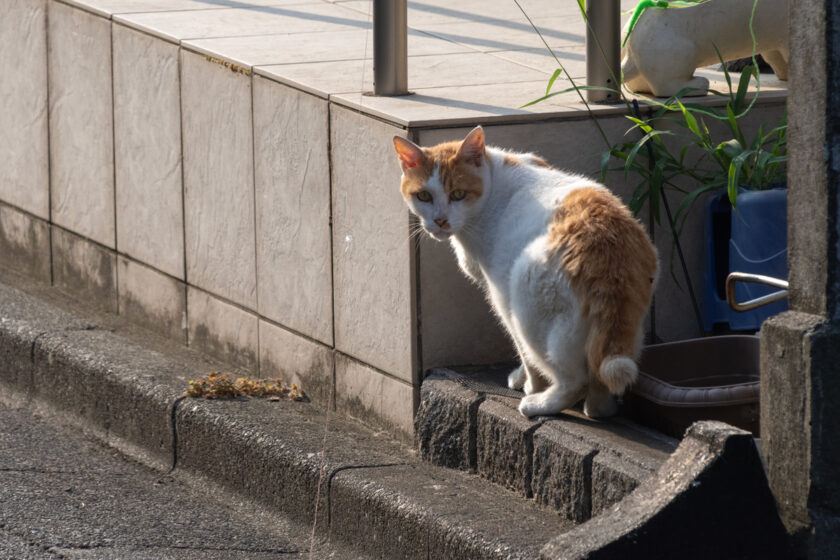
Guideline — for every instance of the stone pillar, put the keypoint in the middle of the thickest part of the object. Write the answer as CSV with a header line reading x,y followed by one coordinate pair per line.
x,y
800,349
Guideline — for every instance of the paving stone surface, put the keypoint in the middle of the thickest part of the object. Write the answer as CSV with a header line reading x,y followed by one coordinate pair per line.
x,y
68,496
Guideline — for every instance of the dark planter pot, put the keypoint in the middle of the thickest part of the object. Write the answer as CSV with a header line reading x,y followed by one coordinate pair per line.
x,y
752,239
711,378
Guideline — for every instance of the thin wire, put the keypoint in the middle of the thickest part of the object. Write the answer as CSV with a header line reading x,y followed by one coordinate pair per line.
x,y
331,398
321,471
663,195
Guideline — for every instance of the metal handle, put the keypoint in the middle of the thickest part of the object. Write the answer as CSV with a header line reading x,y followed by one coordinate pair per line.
x,y
735,277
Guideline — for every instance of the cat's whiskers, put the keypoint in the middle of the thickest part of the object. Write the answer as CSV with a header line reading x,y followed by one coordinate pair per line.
x,y
415,230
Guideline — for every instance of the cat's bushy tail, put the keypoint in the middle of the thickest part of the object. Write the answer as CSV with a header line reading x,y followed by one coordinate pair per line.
x,y
612,267
610,352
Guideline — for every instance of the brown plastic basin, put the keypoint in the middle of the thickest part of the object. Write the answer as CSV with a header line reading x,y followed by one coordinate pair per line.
x,y
715,378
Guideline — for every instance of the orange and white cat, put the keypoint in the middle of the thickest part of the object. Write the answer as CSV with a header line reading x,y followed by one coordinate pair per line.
x,y
564,264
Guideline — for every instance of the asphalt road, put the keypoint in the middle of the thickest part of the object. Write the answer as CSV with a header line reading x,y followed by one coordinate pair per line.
x,y
64,495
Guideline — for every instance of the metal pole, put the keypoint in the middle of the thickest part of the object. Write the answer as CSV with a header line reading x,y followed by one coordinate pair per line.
x,y
390,50
603,49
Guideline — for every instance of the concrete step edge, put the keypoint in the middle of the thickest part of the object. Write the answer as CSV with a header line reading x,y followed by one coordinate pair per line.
x,y
576,465
375,494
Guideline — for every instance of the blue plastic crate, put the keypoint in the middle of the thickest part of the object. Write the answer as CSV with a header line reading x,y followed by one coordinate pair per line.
x,y
752,239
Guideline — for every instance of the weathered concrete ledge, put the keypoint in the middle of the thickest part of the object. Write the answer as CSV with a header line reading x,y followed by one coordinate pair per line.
x,y
371,492
572,464
126,386
710,499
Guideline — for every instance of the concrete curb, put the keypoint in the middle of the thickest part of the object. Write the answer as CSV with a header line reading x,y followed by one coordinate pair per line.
x,y
632,493
709,500
376,495
575,465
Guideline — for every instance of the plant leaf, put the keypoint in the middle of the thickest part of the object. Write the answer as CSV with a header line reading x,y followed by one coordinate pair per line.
x,y
731,148
746,74
690,121
605,164
552,79
725,71
567,90
733,125
642,142
734,174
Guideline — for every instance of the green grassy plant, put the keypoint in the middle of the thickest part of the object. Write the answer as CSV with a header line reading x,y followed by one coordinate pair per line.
x,y
678,144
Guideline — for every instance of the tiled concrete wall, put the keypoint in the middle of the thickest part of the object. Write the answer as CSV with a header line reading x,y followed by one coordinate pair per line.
x,y
251,220
205,203
147,150
292,182
218,179
23,115
81,123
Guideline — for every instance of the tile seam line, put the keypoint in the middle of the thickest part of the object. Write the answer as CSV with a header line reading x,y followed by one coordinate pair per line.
x,y
102,12
563,115
265,65
114,163
258,316
355,109
375,369
49,220
99,245
87,9
330,165
251,85
252,312
191,46
107,14
186,318
165,36
27,213
466,120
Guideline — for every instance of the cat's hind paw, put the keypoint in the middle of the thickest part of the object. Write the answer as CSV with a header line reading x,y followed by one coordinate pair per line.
x,y
516,378
600,407
599,403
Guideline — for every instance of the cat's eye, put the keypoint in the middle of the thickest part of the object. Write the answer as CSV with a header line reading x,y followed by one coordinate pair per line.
x,y
424,196
457,194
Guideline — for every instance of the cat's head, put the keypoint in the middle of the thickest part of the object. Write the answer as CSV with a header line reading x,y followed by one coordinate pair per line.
x,y
444,185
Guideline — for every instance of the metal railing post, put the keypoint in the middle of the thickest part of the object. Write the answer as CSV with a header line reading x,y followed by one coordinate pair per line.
x,y
390,50
603,54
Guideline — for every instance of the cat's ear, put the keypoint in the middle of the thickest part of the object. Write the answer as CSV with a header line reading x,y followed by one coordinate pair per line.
x,y
472,148
410,154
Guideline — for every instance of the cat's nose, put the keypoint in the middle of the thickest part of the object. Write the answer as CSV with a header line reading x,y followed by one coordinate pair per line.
x,y
442,223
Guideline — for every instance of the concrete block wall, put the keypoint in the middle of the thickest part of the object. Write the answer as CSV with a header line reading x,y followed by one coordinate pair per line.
x,y
251,219
244,217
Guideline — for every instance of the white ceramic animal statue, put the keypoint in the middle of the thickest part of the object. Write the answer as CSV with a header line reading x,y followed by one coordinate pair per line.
x,y
668,44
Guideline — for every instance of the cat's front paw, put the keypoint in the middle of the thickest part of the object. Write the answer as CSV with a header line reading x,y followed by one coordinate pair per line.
x,y
553,400
532,405
516,378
